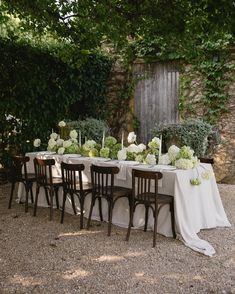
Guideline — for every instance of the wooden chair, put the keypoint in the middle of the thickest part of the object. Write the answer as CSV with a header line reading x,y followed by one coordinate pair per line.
x,y
44,178
102,181
18,174
74,186
207,160
145,192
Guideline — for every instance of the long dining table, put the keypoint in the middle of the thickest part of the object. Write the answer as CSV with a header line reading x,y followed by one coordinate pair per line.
x,y
197,207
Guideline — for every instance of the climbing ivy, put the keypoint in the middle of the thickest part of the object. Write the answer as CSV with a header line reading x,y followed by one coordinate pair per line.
x,y
209,75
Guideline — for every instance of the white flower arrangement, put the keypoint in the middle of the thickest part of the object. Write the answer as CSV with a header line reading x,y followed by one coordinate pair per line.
x,y
37,143
88,145
133,148
61,150
183,163
154,143
122,154
141,147
164,159
173,151
104,152
51,144
59,142
73,134
62,124
150,159
67,143
131,138
54,136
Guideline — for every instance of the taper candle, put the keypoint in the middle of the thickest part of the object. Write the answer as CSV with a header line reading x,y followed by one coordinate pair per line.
x,y
122,138
103,138
80,138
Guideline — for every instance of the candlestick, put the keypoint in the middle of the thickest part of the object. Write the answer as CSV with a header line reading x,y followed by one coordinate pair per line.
x,y
80,138
122,139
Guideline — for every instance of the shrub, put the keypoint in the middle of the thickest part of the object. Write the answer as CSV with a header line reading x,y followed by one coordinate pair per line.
x,y
90,128
197,134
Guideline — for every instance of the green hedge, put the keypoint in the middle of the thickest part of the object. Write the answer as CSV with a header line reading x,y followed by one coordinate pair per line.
x,y
40,89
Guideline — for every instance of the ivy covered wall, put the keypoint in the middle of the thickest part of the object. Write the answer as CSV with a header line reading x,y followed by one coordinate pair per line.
x,y
210,95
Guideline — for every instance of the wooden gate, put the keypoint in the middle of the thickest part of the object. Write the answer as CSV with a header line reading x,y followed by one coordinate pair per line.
x,y
156,96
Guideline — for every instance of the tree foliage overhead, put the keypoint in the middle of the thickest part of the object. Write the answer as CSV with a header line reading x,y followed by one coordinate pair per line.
x,y
146,26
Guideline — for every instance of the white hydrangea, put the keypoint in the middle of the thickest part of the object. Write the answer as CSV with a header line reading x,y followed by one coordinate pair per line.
x,y
122,154
134,149
61,150
73,140
195,161
139,158
61,124
73,134
59,142
141,147
89,145
173,151
150,159
154,143
67,143
52,143
36,142
54,136
164,159
131,137
184,163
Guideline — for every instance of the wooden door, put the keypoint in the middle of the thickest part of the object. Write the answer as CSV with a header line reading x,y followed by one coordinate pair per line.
x,y
156,96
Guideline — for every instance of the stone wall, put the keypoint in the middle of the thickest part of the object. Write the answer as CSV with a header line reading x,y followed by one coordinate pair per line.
x,y
225,153
121,119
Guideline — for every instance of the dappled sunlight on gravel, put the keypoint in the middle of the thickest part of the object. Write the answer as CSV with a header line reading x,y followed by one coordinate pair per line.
x,y
39,256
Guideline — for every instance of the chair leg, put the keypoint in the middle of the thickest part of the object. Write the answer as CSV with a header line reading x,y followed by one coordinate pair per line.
x,y
11,196
31,192
110,214
100,209
47,197
173,219
82,209
27,198
73,204
130,221
155,226
146,217
57,197
63,207
36,201
51,203
90,212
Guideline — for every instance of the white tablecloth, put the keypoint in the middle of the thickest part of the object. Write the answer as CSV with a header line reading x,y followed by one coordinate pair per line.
x,y
196,207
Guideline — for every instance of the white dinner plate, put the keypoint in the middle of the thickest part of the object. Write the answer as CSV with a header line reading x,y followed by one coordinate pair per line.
x,y
46,152
101,159
165,167
71,155
128,162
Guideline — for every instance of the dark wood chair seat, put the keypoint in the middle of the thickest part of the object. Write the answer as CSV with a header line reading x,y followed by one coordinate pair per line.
x,y
73,185
102,181
44,179
19,174
145,192
206,160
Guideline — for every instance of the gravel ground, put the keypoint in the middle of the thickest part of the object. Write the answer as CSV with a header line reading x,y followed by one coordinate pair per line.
x,y
39,256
